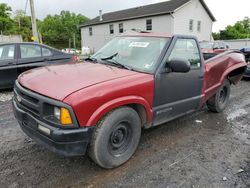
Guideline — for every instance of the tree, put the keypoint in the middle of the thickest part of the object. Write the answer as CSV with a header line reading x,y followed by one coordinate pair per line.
x,y
240,30
58,29
22,25
5,21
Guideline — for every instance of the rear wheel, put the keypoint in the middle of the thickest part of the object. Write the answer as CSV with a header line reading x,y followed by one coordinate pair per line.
x,y
218,102
116,138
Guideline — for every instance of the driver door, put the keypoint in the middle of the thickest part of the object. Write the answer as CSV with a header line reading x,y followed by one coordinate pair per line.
x,y
179,93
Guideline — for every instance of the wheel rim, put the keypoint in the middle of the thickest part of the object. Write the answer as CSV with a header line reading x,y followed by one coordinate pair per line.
x,y
223,95
120,138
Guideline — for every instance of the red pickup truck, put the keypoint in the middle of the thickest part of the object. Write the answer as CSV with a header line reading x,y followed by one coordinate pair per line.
x,y
137,80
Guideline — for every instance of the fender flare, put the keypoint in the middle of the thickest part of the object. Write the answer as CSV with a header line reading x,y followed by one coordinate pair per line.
x,y
118,102
229,70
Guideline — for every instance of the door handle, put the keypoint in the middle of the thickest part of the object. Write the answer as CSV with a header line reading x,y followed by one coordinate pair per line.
x,y
10,63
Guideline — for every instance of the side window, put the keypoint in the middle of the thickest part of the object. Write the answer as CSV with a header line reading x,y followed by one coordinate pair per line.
x,y
186,49
29,51
120,27
46,52
7,52
111,29
90,31
199,26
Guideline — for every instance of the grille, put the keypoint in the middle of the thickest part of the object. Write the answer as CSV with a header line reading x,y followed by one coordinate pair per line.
x,y
26,102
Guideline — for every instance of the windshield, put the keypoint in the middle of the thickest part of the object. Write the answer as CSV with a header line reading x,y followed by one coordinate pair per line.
x,y
207,45
138,53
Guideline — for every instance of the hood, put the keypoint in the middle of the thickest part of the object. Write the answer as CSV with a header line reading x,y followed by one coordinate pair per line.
x,y
59,81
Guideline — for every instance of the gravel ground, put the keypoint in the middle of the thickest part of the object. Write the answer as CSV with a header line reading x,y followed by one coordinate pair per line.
x,y
5,95
201,150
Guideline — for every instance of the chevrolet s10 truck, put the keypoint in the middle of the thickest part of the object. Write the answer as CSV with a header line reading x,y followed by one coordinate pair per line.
x,y
137,80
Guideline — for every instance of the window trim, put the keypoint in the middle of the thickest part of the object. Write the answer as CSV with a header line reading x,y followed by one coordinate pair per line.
x,y
149,26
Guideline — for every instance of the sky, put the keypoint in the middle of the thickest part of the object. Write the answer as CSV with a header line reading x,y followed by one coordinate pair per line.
x,y
226,12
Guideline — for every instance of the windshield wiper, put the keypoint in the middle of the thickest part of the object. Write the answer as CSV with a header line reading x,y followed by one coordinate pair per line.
x,y
94,60
116,63
110,57
111,60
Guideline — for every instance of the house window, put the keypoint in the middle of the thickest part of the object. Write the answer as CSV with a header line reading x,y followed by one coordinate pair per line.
x,y
111,29
199,26
191,25
149,24
90,31
121,28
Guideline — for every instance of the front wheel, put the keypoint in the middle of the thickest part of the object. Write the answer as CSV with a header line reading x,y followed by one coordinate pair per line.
x,y
218,102
116,138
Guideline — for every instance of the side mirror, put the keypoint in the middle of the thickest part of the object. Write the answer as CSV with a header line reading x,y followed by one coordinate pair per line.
x,y
179,65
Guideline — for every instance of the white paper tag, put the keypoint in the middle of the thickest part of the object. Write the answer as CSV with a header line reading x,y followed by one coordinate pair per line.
x,y
139,44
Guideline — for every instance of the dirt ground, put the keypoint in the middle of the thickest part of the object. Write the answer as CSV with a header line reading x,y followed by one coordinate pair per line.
x,y
201,150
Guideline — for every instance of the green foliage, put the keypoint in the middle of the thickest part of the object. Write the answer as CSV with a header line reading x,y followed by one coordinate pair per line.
x,y
240,30
57,30
5,10
6,22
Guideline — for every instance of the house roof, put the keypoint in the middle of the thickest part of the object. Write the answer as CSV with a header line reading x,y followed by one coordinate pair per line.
x,y
165,7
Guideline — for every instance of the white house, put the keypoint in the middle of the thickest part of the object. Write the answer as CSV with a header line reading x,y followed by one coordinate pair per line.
x,y
189,17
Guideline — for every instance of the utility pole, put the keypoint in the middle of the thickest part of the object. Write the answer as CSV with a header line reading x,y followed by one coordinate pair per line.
x,y
69,43
74,40
33,21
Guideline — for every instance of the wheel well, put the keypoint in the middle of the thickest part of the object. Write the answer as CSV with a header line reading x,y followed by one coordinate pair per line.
x,y
236,75
140,109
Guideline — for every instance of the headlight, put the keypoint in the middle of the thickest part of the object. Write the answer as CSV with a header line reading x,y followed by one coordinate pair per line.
x,y
63,115
57,113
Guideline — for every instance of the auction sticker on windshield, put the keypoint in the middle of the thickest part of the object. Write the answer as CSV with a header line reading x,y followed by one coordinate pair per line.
x,y
139,44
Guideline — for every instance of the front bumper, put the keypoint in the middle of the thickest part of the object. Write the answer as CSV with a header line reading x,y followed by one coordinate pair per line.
x,y
66,142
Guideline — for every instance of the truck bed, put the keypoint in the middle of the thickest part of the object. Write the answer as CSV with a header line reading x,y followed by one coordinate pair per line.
x,y
217,69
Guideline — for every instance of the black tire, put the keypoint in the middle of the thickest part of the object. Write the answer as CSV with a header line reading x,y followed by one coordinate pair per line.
x,y
116,138
218,102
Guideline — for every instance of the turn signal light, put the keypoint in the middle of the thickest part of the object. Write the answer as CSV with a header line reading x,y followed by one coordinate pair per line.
x,y
65,117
